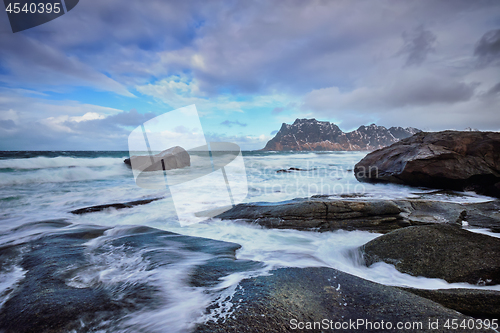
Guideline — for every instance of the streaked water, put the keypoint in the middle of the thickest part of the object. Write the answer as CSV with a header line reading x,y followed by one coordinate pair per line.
x,y
38,186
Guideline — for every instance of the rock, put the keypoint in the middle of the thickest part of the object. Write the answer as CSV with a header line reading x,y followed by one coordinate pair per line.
x,y
62,290
440,251
322,215
355,213
99,208
477,303
481,215
310,134
449,160
304,296
173,158
290,170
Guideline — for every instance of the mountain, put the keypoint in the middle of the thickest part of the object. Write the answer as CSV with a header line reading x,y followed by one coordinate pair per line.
x,y
311,134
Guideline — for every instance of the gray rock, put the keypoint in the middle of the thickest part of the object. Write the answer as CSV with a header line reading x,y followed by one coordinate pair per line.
x,y
449,160
120,205
323,214
439,251
481,215
472,302
320,214
277,303
173,158
43,300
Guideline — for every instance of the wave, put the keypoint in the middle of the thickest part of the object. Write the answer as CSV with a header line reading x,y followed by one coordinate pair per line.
x,y
65,174
56,162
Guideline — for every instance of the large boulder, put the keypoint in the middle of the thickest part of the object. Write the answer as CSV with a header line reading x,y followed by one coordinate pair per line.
x,y
449,160
320,299
173,158
440,251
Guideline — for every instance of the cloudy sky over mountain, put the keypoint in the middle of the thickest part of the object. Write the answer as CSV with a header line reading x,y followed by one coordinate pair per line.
x,y
86,79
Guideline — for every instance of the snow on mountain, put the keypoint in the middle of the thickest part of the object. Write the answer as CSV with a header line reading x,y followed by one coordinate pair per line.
x,y
311,134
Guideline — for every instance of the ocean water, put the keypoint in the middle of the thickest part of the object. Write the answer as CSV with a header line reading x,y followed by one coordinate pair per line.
x,y
41,186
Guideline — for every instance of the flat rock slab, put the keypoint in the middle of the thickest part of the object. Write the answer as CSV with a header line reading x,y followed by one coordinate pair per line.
x,y
439,251
481,215
472,302
321,215
294,299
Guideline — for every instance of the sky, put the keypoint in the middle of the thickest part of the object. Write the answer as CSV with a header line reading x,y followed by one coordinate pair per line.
x,y
85,80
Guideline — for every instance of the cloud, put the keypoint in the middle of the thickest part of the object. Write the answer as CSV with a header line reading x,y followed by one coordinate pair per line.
x,y
7,124
415,89
278,110
246,142
487,49
417,45
229,123
36,64
414,99
83,127
274,132
495,90
334,59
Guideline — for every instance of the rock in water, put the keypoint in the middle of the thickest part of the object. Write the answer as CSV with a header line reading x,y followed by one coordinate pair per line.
x,y
173,158
440,251
449,160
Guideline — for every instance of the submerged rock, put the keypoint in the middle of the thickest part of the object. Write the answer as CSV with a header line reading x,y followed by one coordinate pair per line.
x,y
318,299
173,158
119,205
449,160
69,285
440,251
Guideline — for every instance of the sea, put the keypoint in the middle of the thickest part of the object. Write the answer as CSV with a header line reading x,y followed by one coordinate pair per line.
x,y
47,186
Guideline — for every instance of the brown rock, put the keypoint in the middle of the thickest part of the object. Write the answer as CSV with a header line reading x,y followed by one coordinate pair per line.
x,y
449,160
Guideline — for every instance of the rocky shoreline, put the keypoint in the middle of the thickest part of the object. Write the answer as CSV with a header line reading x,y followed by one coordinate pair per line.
x,y
419,237
282,300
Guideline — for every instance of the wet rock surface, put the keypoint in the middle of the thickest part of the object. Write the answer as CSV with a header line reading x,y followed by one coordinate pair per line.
x,y
382,216
63,290
481,215
439,251
449,160
472,302
279,302
321,214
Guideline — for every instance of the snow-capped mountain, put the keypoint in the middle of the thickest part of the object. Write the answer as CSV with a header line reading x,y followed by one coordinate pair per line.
x,y
311,134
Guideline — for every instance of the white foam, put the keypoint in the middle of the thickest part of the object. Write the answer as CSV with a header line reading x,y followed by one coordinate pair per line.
x,y
57,162
9,278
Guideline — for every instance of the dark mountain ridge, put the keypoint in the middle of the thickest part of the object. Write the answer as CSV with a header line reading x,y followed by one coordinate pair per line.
x,y
311,134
